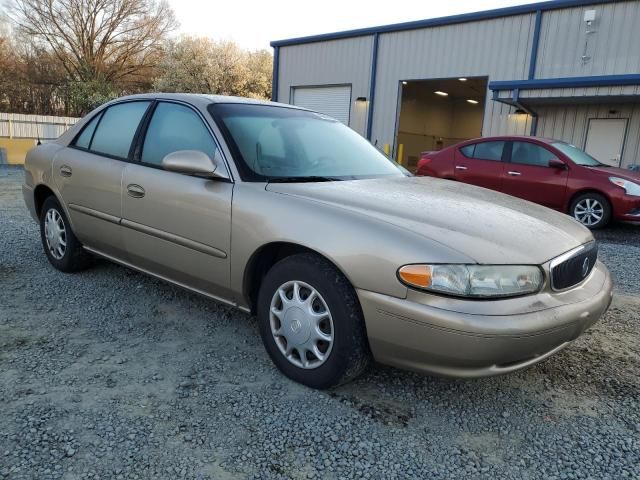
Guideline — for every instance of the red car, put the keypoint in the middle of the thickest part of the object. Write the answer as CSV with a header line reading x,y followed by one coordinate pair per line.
x,y
549,172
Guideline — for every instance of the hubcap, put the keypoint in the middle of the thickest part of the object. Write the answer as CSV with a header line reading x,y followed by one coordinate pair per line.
x,y
301,324
55,234
589,212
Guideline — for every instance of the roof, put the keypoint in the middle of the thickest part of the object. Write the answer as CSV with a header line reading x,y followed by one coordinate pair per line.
x,y
199,98
450,20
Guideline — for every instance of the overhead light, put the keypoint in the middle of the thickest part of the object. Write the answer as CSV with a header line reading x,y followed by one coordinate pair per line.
x,y
519,111
442,94
475,102
361,99
404,83
462,79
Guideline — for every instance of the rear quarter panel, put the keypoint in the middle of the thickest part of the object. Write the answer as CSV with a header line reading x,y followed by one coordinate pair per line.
x,y
440,164
37,171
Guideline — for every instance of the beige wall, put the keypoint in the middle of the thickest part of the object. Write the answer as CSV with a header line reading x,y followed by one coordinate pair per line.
x,y
16,149
426,121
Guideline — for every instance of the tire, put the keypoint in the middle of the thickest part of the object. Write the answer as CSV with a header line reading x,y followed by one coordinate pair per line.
x,y
347,355
592,210
70,257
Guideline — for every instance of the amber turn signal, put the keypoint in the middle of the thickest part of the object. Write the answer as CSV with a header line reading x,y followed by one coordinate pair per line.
x,y
416,275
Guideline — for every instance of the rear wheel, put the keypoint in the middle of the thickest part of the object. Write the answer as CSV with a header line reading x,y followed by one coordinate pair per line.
x,y
592,210
61,246
311,322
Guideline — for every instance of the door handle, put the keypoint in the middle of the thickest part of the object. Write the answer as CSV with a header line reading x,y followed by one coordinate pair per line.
x,y
514,174
461,167
135,191
65,171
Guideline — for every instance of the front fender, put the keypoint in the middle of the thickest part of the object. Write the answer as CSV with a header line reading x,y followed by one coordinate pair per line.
x,y
368,251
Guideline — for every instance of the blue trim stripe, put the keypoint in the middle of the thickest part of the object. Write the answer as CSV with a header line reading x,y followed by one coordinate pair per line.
x,y
275,74
436,22
372,84
567,82
534,45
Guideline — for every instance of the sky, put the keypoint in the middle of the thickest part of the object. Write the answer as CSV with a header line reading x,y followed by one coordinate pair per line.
x,y
254,23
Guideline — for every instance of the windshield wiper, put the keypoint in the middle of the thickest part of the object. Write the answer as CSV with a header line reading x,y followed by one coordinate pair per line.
x,y
308,179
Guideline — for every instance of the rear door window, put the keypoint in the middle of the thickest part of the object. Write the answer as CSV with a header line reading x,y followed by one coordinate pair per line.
x,y
467,150
84,139
116,129
489,151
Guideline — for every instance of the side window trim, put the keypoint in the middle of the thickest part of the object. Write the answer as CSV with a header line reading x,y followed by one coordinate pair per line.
x,y
93,134
506,153
135,152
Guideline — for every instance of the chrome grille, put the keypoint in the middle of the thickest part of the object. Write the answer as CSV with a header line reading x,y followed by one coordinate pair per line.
x,y
573,267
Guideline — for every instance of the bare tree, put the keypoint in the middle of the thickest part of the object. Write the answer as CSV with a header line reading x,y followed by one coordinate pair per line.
x,y
114,41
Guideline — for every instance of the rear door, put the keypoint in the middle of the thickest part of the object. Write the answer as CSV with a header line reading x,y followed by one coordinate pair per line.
x,y
175,225
88,174
480,164
529,176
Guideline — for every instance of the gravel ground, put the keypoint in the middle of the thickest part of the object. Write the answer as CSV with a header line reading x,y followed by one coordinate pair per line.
x,y
111,374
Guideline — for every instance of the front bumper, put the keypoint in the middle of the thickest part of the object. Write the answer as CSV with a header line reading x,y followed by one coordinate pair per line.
x,y
627,208
471,338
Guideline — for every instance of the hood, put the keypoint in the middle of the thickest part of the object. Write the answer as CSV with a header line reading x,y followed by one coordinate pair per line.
x,y
616,172
490,227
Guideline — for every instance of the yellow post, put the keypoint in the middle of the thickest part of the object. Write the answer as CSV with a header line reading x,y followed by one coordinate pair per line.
x,y
386,148
400,158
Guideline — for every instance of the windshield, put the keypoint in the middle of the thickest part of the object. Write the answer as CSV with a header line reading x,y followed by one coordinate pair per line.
x,y
279,143
578,156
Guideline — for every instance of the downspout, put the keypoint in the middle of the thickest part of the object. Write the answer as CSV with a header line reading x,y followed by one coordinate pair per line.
x,y
533,60
275,73
372,84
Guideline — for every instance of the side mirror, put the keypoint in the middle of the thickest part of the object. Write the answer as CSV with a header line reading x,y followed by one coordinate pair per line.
x,y
559,164
191,162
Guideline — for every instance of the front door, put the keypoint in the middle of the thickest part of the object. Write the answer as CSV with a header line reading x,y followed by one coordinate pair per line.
x,y
175,225
605,139
529,176
88,175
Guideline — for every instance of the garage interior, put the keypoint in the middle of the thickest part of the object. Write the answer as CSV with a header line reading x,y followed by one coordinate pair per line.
x,y
435,114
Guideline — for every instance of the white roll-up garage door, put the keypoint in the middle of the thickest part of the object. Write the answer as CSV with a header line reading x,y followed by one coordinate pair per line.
x,y
332,101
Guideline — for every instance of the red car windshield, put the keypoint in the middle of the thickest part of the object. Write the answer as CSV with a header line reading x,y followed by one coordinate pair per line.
x,y
578,156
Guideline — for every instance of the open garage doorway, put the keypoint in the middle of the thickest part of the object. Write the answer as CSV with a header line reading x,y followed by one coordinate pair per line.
x,y
435,114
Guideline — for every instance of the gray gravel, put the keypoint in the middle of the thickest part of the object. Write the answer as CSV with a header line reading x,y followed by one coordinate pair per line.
x,y
111,374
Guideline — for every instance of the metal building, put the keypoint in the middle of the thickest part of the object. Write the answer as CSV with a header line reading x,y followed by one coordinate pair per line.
x,y
566,69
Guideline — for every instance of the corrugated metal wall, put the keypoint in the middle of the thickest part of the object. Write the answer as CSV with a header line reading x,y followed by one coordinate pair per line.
x,y
570,122
328,63
46,127
613,48
497,48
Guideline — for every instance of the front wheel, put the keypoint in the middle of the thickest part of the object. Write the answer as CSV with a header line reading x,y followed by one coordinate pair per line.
x,y
592,210
311,322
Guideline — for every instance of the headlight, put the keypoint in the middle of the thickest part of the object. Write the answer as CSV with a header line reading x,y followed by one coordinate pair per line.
x,y
477,281
630,187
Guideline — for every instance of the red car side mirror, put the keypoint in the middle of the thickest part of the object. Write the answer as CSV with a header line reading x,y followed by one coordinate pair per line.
x,y
559,164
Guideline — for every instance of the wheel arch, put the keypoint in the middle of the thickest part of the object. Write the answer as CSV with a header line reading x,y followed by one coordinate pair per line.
x,y
584,191
40,194
266,257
